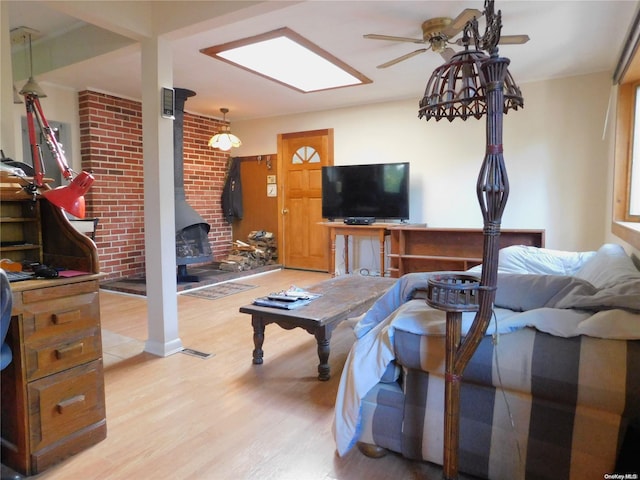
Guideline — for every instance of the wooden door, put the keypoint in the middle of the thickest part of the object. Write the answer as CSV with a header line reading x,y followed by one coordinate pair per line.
x,y
301,158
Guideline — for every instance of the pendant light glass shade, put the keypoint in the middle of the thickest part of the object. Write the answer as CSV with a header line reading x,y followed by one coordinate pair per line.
x,y
224,140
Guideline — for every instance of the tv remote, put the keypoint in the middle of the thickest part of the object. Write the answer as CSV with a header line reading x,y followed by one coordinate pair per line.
x,y
283,298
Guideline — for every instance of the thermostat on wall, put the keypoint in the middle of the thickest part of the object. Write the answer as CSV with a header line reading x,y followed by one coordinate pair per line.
x,y
168,103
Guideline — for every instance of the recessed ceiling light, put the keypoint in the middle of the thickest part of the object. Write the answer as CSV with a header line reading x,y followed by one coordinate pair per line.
x,y
289,59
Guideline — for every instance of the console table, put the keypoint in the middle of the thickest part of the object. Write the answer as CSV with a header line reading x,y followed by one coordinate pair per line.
x,y
379,230
53,400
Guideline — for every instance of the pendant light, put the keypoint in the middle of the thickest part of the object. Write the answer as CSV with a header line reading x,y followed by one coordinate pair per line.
x,y
224,140
32,87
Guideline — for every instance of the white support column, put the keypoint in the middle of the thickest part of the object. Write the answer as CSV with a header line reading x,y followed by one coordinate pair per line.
x,y
159,215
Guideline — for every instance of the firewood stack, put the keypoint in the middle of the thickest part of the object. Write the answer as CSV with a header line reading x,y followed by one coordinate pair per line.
x,y
260,250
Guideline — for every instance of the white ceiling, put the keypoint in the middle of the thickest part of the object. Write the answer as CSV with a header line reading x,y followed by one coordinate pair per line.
x,y
567,38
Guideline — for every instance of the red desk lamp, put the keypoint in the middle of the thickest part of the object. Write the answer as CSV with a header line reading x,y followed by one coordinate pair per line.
x,y
69,197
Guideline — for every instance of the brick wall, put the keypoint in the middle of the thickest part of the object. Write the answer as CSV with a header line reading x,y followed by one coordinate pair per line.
x,y
111,148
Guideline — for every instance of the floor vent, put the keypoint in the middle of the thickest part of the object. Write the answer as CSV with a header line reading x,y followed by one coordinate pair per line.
x,y
196,353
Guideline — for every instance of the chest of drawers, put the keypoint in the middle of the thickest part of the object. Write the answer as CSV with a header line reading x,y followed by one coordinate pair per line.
x,y
53,403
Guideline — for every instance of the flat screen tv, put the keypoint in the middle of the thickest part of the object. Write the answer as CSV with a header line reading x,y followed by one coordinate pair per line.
x,y
379,191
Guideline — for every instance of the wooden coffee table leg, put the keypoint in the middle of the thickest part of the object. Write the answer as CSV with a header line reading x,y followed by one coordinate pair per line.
x,y
258,338
323,336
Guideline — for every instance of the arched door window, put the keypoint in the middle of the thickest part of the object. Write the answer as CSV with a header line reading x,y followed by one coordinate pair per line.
x,y
305,155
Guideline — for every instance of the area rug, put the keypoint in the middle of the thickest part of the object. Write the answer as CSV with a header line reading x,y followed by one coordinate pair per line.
x,y
219,291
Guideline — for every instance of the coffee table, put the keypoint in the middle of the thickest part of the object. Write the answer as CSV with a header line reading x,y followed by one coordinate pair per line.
x,y
342,297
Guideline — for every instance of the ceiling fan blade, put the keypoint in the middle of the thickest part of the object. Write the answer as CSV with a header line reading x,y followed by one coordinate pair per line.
x,y
458,23
504,40
513,39
375,36
402,58
447,53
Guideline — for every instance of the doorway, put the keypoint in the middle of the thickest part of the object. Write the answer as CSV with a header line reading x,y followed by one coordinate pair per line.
x,y
301,158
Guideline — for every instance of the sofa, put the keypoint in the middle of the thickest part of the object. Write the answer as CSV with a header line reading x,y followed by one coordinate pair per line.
x,y
552,391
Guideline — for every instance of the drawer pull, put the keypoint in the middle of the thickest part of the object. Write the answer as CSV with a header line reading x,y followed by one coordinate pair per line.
x,y
66,317
69,351
69,403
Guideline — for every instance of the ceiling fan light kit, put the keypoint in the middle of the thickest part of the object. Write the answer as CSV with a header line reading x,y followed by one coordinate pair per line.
x,y
438,44
432,33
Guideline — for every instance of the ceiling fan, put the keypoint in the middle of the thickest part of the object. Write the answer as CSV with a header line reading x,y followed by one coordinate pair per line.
x,y
438,33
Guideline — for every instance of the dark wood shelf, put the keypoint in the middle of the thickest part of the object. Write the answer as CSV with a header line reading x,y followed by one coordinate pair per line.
x,y
423,249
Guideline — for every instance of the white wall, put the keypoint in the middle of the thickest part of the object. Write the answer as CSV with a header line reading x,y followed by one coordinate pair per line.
x,y
555,155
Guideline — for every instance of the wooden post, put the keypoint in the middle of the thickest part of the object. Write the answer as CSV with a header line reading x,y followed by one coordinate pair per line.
x,y
451,397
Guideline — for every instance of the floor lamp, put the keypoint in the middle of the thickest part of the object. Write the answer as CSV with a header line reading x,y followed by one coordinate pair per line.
x,y
472,84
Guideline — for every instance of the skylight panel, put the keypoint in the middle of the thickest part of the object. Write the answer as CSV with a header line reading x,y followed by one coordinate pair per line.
x,y
289,59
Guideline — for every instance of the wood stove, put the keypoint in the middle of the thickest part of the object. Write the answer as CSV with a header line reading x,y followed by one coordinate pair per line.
x,y
192,232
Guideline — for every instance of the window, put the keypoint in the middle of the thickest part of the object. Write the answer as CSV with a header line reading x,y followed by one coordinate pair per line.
x,y
306,154
626,191
633,210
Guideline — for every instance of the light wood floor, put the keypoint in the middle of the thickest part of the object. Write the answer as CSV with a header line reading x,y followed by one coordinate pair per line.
x,y
183,417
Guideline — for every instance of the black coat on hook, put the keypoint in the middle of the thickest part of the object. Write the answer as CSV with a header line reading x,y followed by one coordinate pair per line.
x,y
232,192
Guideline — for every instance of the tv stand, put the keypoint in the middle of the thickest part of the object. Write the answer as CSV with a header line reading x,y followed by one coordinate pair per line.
x,y
380,230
